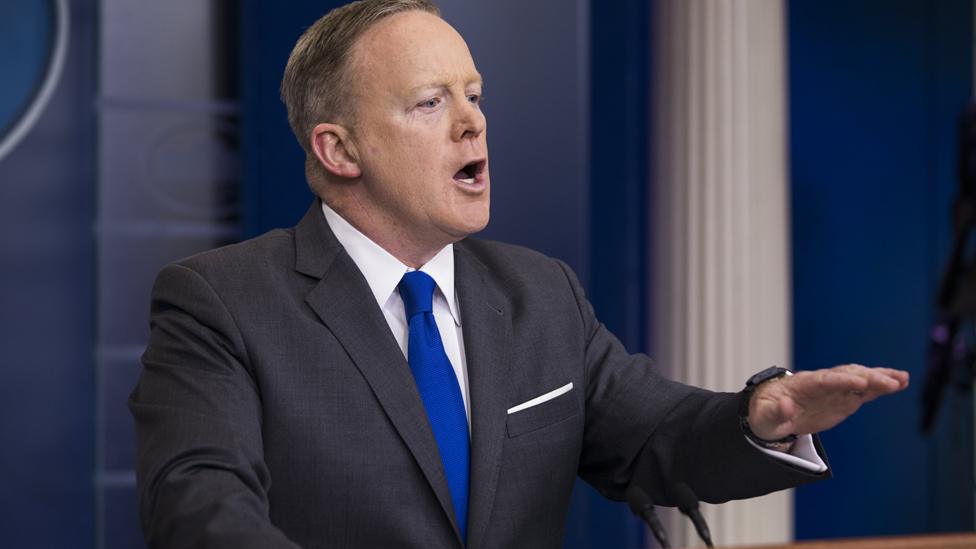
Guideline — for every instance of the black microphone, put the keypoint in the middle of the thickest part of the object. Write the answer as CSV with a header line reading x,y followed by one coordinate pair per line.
x,y
642,506
688,503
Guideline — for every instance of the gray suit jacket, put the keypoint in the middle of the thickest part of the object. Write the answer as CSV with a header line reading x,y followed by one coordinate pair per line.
x,y
276,409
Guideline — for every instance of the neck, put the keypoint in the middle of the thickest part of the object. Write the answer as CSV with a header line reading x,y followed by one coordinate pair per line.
x,y
397,240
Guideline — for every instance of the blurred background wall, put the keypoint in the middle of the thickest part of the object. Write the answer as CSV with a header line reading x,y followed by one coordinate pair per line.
x,y
875,91
164,136
47,269
167,185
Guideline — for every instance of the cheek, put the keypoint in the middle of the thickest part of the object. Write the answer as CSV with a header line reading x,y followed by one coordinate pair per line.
x,y
389,144
405,152
408,158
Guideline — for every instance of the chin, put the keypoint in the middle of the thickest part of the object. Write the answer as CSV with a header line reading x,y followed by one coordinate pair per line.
x,y
478,227
477,222
468,225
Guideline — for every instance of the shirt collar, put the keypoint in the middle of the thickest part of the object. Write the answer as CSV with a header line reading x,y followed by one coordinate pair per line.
x,y
383,271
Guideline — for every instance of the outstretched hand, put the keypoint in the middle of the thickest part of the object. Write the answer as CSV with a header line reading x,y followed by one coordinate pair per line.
x,y
810,402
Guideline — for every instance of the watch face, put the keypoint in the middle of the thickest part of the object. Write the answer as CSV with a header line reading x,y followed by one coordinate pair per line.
x,y
33,43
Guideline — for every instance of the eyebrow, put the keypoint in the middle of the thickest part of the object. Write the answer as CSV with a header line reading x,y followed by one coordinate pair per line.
x,y
441,84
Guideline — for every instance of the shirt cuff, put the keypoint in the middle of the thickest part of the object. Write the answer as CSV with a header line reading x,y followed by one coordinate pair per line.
x,y
803,454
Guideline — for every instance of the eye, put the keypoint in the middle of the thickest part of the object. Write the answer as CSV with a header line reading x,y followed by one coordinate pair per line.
x,y
474,98
430,103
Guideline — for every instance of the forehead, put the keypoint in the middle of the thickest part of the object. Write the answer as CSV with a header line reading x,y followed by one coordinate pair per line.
x,y
411,49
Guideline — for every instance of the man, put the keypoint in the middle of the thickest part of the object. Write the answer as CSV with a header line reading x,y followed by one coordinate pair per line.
x,y
373,378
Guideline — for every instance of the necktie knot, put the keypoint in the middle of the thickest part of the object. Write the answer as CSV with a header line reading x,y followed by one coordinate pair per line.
x,y
417,292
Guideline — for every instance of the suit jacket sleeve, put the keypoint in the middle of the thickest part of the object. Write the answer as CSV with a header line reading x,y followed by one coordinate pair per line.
x,y
644,428
201,478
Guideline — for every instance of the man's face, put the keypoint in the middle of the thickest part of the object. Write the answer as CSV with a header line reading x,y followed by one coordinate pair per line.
x,y
419,130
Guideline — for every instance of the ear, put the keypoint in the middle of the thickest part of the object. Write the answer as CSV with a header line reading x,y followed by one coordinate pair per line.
x,y
332,145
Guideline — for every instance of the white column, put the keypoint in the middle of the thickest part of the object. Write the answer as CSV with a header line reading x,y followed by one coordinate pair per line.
x,y
720,270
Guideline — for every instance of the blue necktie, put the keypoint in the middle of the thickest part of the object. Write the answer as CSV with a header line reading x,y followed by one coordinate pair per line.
x,y
439,388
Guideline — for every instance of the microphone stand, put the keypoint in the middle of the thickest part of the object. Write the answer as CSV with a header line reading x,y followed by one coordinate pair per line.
x,y
641,505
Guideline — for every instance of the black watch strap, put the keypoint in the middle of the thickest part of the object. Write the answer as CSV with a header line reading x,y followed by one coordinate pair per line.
x,y
780,445
773,372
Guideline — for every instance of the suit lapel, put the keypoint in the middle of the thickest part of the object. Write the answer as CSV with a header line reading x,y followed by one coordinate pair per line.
x,y
487,327
343,301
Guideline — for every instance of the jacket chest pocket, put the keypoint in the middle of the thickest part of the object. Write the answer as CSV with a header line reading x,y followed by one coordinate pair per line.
x,y
542,411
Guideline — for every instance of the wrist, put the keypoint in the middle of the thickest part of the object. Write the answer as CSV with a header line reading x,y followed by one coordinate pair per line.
x,y
758,383
784,444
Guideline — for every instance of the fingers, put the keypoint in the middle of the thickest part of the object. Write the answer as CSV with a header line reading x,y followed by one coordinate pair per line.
x,y
881,380
827,384
855,384
840,380
852,383
899,375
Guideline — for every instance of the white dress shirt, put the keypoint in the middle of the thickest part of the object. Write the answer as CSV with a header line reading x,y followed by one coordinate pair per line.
x,y
383,273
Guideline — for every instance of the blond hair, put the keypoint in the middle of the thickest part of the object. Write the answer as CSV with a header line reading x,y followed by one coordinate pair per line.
x,y
316,84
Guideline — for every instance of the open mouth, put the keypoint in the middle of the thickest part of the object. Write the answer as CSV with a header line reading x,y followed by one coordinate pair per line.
x,y
470,172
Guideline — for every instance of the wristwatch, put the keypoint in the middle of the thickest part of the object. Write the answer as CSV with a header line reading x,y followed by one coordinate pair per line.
x,y
771,373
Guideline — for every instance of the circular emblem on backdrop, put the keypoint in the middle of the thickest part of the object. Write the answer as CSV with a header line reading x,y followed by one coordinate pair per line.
x,y
33,43
193,168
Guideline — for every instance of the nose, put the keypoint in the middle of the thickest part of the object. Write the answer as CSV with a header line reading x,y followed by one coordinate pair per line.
x,y
470,122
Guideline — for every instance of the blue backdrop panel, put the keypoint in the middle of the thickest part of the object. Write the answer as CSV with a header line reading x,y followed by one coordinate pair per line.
x,y
875,87
46,280
275,193
618,199
26,42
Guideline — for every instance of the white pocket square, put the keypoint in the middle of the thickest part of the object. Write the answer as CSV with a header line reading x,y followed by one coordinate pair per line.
x,y
542,398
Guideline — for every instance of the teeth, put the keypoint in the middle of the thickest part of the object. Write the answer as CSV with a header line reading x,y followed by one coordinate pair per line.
x,y
469,181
